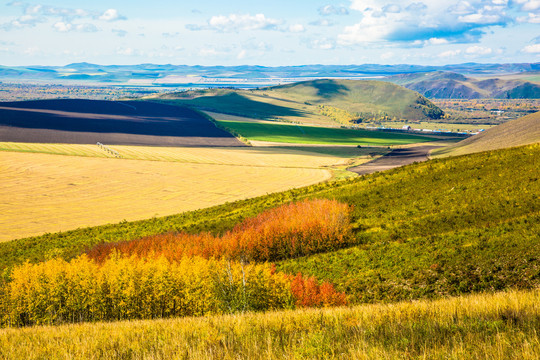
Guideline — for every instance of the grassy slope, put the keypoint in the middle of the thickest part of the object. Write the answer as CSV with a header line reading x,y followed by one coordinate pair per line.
x,y
522,131
448,226
320,135
299,102
499,326
355,96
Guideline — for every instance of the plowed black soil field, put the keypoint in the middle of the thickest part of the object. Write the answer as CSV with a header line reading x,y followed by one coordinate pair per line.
x,y
109,122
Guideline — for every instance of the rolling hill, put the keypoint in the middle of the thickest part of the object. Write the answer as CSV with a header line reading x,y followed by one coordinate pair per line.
x,y
421,231
522,131
307,101
448,85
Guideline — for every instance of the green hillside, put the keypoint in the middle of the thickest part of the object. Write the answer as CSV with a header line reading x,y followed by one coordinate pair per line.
x,y
522,131
361,97
305,102
447,85
445,227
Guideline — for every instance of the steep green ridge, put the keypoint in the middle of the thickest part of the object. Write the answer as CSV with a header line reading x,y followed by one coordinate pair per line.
x,y
444,227
362,99
522,131
447,85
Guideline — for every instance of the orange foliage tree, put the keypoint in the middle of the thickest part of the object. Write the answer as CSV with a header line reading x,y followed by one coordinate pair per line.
x,y
288,231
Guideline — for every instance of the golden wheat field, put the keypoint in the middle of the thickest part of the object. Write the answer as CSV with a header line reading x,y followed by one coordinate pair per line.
x,y
484,326
43,192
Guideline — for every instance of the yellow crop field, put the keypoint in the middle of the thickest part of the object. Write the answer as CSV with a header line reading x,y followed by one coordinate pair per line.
x,y
247,156
43,192
48,193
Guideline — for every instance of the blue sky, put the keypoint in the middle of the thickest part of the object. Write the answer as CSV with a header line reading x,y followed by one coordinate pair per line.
x,y
278,32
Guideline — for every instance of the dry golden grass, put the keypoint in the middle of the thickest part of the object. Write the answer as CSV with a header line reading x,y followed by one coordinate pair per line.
x,y
496,326
48,193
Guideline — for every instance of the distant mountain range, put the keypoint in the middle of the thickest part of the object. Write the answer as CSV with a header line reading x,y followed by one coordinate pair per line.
x,y
152,74
463,81
449,85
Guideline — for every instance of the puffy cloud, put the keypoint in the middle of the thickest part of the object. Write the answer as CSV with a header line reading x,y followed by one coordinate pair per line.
x,y
400,21
297,28
449,53
391,8
416,7
111,15
532,49
531,18
127,51
333,10
238,22
321,44
436,41
478,50
235,22
60,18
529,5
62,26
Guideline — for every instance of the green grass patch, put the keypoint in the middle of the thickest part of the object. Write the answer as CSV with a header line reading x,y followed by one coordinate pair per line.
x,y
299,134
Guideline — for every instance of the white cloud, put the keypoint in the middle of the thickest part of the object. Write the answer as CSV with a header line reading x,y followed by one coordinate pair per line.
x,y
62,26
333,10
532,49
449,53
206,52
111,15
86,27
478,50
529,5
321,44
246,22
401,21
32,51
126,51
531,18
480,18
297,28
436,41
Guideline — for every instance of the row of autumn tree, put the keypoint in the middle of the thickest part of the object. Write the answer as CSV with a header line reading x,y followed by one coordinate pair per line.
x,y
182,274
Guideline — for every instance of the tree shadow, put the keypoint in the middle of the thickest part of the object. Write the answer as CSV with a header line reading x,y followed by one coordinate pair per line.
x,y
329,89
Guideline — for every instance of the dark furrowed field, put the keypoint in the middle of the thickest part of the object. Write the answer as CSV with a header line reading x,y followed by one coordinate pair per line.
x,y
110,122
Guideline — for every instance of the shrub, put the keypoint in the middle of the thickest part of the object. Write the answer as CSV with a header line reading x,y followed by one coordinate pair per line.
x,y
285,232
124,288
